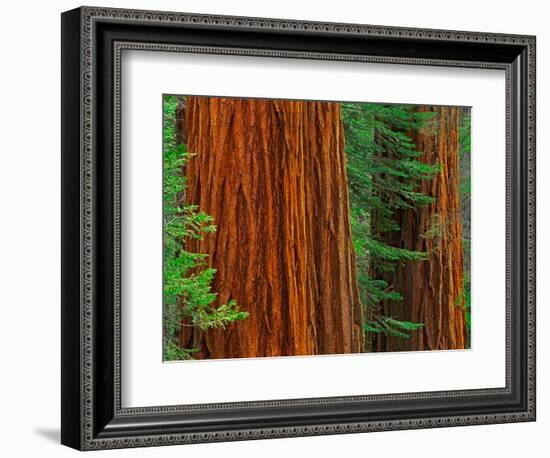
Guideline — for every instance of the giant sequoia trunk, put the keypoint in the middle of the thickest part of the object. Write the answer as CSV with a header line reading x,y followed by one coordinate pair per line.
x,y
432,290
272,174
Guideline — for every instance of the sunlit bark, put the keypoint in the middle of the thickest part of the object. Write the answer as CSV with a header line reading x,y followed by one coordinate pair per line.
x,y
272,174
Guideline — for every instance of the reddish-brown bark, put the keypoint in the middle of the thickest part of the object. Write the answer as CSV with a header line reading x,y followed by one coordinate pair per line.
x,y
272,174
432,289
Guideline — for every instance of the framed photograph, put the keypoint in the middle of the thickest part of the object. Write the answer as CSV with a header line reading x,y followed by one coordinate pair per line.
x,y
276,228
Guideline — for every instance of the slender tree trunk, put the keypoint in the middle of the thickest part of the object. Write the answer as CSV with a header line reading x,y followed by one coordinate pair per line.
x,y
273,175
180,121
432,290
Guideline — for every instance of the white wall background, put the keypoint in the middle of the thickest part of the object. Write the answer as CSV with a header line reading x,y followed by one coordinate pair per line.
x,y
30,240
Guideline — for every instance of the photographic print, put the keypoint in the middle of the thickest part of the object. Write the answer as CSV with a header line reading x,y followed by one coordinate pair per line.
x,y
295,228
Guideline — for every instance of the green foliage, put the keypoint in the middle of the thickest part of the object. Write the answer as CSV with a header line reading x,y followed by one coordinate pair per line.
x,y
465,190
172,352
187,293
467,302
465,149
392,327
383,170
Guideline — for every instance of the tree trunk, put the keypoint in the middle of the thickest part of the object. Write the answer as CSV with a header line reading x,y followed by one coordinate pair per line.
x,y
432,290
180,121
272,174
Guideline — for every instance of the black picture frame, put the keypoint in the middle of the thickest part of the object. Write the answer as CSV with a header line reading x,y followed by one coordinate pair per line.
x,y
92,416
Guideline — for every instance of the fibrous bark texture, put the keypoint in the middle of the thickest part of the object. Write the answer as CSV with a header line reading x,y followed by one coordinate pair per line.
x,y
272,173
432,290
